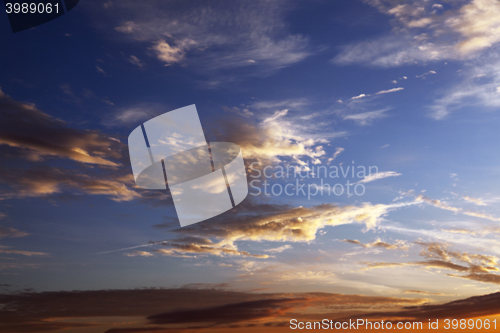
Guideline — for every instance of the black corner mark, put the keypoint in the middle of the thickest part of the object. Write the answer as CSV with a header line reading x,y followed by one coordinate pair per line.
x,y
26,14
70,4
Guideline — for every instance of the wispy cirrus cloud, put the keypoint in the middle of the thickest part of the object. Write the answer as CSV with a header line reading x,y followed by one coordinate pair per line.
x,y
9,250
379,175
135,61
381,92
337,152
388,91
279,249
443,205
139,254
477,87
398,245
464,30
12,232
135,114
366,118
476,201
424,32
213,37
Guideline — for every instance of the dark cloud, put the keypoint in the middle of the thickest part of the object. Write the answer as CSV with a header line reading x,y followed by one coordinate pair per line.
x,y
482,277
25,127
230,313
441,264
8,250
143,330
27,312
42,180
175,308
423,293
11,232
477,266
89,162
62,159
473,307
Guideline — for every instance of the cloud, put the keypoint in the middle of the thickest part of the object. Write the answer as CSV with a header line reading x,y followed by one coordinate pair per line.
x,y
399,245
39,135
275,116
100,70
392,51
472,307
258,222
483,277
213,308
176,249
134,115
40,181
427,264
272,105
139,254
421,292
359,96
213,37
476,201
389,91
424,33
477,22
440,251
245,112
366,118
378,93
422,76
171,54
337,152
135,61
275,137
231,313
478,267
7,250
477,89
283,223
190,246
12,232
464,231
279,249
442,205
379,175
92,158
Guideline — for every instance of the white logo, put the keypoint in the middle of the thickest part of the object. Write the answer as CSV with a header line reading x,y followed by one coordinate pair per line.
x,y
205,180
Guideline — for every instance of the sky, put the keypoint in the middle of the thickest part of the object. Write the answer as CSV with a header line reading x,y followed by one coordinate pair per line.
x,y
379,118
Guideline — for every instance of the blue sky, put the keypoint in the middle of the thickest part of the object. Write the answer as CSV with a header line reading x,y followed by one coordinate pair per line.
x,y
412,88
